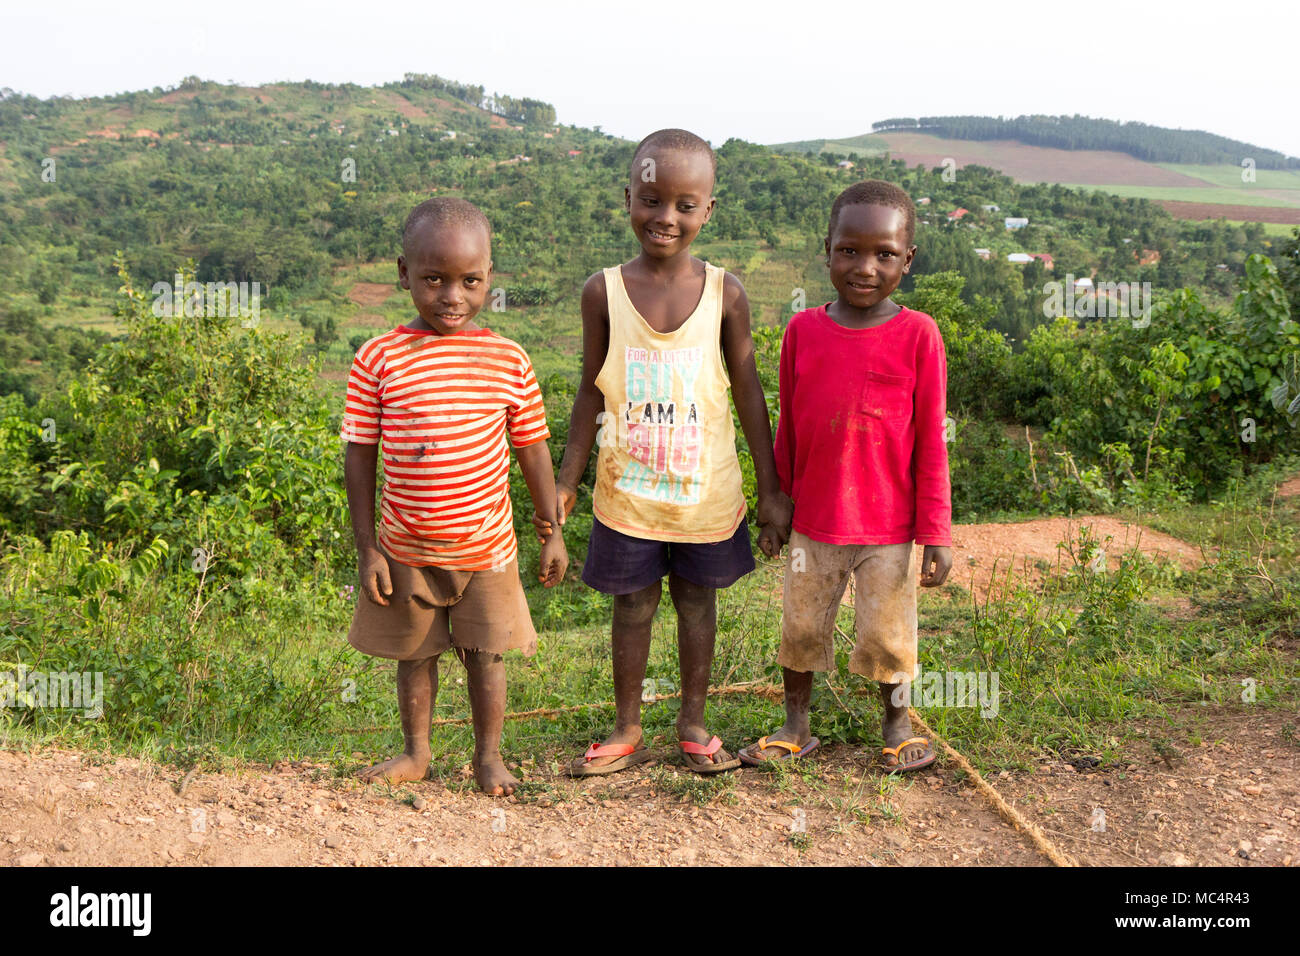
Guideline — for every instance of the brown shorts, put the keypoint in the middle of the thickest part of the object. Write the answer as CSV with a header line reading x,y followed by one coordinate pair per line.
x,y
432,609
885,581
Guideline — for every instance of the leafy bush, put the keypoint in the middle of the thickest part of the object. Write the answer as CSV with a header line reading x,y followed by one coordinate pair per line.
x,y
1175,405
214,436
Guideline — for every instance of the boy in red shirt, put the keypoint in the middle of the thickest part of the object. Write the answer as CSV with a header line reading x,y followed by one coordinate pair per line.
x,y
860,448
448,398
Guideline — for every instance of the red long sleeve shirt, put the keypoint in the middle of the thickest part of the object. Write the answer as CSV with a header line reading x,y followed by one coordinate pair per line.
x,y
860,444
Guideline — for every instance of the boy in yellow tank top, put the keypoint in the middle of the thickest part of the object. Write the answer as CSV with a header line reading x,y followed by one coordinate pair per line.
x,y
663,338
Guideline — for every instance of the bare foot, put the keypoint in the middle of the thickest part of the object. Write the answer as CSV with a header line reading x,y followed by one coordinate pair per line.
x,y
493,777
397,769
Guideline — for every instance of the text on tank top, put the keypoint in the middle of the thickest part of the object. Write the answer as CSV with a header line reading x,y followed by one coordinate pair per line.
x,y
667,468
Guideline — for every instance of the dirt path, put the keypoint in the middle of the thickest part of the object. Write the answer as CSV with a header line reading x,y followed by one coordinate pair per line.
x,y
62,810
1230,802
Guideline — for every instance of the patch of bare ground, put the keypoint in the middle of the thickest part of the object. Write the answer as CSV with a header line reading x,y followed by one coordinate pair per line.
x,y
1032,164
65,809
1231,800
983,553
1205,210
1289,488
370,295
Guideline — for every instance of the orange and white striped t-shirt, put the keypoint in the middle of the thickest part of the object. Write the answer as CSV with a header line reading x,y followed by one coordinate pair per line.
x,y
444,406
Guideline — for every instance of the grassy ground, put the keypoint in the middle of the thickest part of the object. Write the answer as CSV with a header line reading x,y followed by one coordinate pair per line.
x,y
1243,196
1229,176
194,673
1278,229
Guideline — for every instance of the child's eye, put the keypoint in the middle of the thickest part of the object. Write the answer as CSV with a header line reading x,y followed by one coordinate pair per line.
x,y
650,202
686,207
472,282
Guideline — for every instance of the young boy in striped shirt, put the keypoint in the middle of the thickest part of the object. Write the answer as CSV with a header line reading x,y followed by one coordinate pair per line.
x,y
445,396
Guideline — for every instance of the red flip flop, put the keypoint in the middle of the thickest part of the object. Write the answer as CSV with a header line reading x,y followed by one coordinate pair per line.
x,y
706,750
630,757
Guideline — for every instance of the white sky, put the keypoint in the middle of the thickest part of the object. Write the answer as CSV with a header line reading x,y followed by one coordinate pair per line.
x,y
763,70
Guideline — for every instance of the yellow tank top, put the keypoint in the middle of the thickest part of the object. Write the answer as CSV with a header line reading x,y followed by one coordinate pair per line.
x,y
667,468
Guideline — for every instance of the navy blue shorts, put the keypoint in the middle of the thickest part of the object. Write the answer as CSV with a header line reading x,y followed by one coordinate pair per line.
x,y
618,563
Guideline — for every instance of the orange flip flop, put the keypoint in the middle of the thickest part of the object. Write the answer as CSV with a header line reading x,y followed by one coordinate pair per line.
x,y
749,755
898,766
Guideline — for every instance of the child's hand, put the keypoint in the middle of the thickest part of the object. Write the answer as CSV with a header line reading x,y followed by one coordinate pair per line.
x,y
770,540
941,557
566,499
543,526
776,509
554,561
372,570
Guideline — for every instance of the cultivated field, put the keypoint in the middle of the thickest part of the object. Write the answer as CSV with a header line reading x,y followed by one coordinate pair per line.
x,y
1183,189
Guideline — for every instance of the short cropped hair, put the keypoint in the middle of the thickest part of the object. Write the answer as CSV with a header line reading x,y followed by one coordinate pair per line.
x,y
875,192
443,212
678,139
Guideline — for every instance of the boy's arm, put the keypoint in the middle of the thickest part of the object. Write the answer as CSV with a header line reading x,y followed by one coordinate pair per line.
x,y
784,449
535,463
359,464
774,506
587,404
930,460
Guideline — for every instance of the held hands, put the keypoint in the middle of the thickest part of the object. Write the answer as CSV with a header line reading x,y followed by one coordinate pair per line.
x,y
554,559
941,557
372,572
566,499
553,562
775,513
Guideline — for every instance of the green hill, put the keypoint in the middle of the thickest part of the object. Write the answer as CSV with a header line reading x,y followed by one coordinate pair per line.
x,y
302,188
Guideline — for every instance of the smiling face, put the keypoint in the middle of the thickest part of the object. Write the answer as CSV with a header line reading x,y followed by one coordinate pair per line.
x,y
668,212
448,270
868,254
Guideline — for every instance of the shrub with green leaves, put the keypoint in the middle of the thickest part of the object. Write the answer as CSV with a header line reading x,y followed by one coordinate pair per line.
x,y
194,428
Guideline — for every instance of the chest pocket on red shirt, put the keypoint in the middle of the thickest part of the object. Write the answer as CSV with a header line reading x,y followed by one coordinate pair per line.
x,y
887,397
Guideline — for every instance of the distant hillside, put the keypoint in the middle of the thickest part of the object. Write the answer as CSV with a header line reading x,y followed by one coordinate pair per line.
x,y
303,187
202,111
1155,144
1188,190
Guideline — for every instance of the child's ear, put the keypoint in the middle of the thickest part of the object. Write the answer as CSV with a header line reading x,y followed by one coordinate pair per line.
x,y
907,263
402,277
627,198
708,210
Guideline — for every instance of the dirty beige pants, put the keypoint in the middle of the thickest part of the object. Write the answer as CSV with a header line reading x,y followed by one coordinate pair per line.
x,y
885,581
